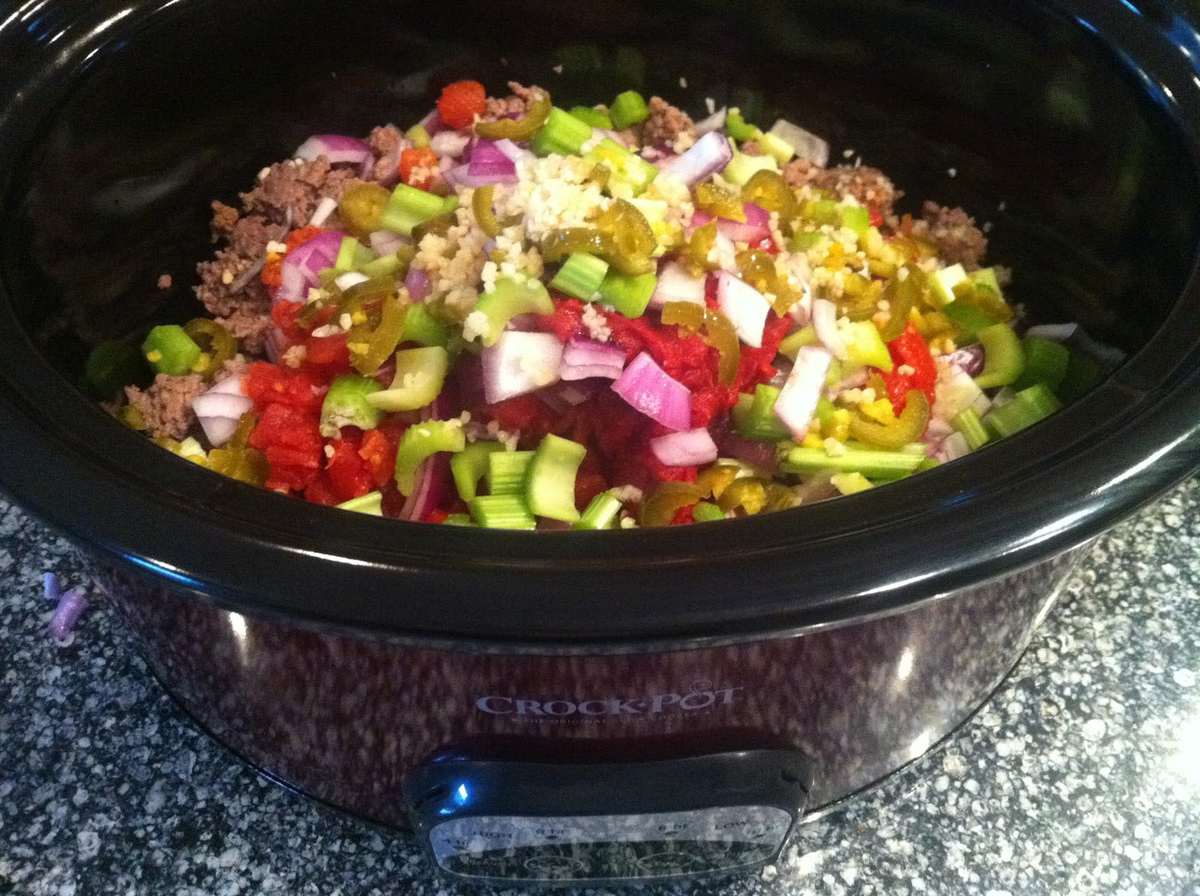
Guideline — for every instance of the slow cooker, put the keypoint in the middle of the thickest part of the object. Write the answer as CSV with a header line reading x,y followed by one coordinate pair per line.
x,y
623,705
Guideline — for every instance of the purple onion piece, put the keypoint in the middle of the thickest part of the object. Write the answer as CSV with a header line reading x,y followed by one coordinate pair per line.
x,y
969,359
417,282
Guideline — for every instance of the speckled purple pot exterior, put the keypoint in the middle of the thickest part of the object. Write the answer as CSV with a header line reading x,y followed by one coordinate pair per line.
x,y
344,717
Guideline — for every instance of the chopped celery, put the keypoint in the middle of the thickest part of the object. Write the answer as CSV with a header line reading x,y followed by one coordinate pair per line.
x,y
822,211
507,299
580,276
593,117
170,350
967,318
601,513
864,345
943,282
562,133
1004,359
347,403
111,366
707,512
626,168
419,442
420,373
985,278
506,471
383,266
743,167
630,295
352,255
1046,362
370,503
418,135
409,207
850,483
738,128
873,464
754,417
1027,408
628,109
458,519
550,483
856,217
501,512
972,428
422,327
776,147
469,466
796,341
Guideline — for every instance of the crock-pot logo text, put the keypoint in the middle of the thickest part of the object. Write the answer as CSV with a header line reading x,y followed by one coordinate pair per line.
x,y
653,705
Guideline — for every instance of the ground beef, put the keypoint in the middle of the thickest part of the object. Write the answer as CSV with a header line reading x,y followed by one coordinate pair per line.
x,y
386,143
226,284
224,218
166,406
249,324
665,124
870,186
954,234
751,148
165,281
514,105
290,191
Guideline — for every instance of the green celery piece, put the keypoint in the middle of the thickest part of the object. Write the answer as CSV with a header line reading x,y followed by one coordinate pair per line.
x,y
418,135
458,519
580,276
593,117
755,418
630,295
776,147
873,464
864,345
422,327
501,512
942,283
347,403
1004,359
562,133
1046,362
601,513
419,442
792,344
352,255
111,366
738,128
383,266
625,167
985,278
825,412
420,374
856,217
707,512
928,463
743,167
170,350
409,207
821,211
469,466
972,428
550,480
371,503
506,471
508,299
1028,407
628,109
967,318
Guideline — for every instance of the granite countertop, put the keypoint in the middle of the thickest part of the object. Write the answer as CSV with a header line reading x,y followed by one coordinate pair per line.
x,y
1081,776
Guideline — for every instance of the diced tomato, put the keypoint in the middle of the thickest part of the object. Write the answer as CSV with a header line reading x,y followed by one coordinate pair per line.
x,y
909,349
527,413
268,384
378,452
347,472
319,492
435,516
589,481
302,235
289,438
328,352
566,321
876,216
683,516
424,162
460,102
710,291
272,272
284,315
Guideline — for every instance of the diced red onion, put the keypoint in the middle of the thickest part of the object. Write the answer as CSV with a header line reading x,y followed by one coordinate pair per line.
x,y
824,321
808,146
335,147
449,143
350,279
461,176
431,485
586,358
321,213
675,284
513,152
302,264
969,359
1056,332
432,123
684,449
520,363
220,408
953,447
51,589
648,388
754,229
417,282
490,164
708,155
714,122
744,306
761,455
798,399
71,605
384,242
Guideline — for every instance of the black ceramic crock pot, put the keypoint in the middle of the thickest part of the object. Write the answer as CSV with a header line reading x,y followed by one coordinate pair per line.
x,y
613,704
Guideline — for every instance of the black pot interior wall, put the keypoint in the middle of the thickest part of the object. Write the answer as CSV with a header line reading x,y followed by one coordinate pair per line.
x,y
1052,147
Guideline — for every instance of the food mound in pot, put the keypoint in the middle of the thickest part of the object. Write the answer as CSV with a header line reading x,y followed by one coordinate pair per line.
x,y
517,315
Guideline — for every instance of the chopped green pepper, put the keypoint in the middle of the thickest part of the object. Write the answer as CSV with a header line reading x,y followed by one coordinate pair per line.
x,y
169,349
628,109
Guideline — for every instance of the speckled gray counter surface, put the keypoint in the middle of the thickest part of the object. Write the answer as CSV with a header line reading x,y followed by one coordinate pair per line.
x,y
1081,776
